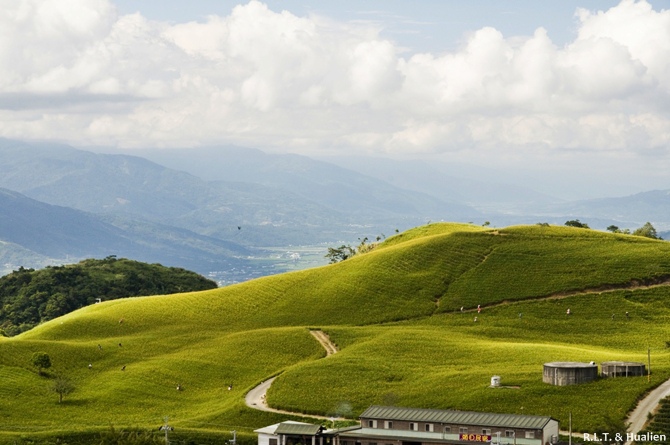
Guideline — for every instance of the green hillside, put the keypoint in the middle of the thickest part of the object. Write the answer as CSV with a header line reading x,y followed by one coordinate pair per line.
x,y
395,314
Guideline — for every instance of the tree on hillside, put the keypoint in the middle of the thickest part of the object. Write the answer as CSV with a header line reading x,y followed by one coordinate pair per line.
x,y
648,231
337,254
63,387
41,361
616,229
577,223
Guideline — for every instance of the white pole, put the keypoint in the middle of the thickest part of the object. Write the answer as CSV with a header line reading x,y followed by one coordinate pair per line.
x,y
570,430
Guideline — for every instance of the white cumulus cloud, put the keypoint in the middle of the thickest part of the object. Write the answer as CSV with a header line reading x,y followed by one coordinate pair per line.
x,y
78,71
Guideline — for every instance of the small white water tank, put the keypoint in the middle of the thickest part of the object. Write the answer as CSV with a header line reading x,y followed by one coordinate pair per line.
x,y
495,381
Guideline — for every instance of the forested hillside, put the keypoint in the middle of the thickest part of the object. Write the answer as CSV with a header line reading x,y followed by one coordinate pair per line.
x,y
29,297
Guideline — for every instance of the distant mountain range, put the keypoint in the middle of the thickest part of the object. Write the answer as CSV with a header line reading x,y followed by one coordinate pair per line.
x,y
215,208
36,234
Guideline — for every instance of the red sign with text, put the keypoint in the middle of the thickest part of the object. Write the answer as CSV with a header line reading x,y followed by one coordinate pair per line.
x,y
475,437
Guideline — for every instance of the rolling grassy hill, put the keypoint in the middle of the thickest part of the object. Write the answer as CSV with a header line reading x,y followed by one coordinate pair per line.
x,y
395,313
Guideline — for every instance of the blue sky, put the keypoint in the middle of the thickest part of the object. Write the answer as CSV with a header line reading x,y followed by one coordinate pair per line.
x,y
429,25
564,88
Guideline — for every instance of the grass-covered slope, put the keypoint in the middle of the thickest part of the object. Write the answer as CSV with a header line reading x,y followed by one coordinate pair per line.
x,y
395,314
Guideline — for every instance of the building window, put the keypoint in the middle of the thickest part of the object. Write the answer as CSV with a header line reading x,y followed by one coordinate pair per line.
x,y
486,432
509,433
463,430
388,424
429,427
447,429
273,441
372,423
530,434
414,426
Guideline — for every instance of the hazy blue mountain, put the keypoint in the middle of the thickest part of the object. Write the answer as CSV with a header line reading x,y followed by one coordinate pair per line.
x,y
34,233
54,230
136,188
358,194
633,211
466,184
13,256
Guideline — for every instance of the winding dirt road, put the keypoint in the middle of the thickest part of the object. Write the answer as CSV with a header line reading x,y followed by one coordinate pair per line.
x,y
256,398
638,417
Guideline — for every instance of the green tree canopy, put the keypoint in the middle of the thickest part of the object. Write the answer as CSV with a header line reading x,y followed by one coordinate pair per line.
x,y
337,254
41,361
648,231
577,223
29,297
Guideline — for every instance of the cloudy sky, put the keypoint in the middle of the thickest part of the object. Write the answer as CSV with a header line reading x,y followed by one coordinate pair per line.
x,y
580,85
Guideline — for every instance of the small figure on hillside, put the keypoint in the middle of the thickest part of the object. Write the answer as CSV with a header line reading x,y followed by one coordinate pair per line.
x,y
462,308
479,309
123,368
121,321
568,312
178,387
612,316
120,345
475,319
230,387
627,314
520,315
90,366
100,347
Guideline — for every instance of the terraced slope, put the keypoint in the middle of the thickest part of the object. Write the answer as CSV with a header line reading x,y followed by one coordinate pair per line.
x,y
395,316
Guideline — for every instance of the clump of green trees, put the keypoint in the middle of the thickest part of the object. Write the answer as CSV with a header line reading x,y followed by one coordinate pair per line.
x,y
345,251
29,297
647,230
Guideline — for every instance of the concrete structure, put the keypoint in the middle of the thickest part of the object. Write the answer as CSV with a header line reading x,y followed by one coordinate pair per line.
x,y
495,381
293,433
622,369
569,373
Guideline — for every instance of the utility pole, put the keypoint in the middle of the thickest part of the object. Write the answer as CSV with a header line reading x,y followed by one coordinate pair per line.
x,y
570,430
166,428
648,364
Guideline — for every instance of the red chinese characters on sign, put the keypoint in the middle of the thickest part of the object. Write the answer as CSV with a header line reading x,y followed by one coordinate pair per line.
x,y
475,437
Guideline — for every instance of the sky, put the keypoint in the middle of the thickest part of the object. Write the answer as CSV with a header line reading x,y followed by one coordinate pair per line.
x,y
573,89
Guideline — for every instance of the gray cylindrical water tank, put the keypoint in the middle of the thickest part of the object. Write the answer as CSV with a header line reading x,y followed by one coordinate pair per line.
x,y
569,373
622,369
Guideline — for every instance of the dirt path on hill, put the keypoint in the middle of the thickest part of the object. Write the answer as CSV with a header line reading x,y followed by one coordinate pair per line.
x,y
256,397
323,338
632,285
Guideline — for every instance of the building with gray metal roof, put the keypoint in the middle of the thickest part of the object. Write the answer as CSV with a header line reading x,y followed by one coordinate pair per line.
x,y
390,425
